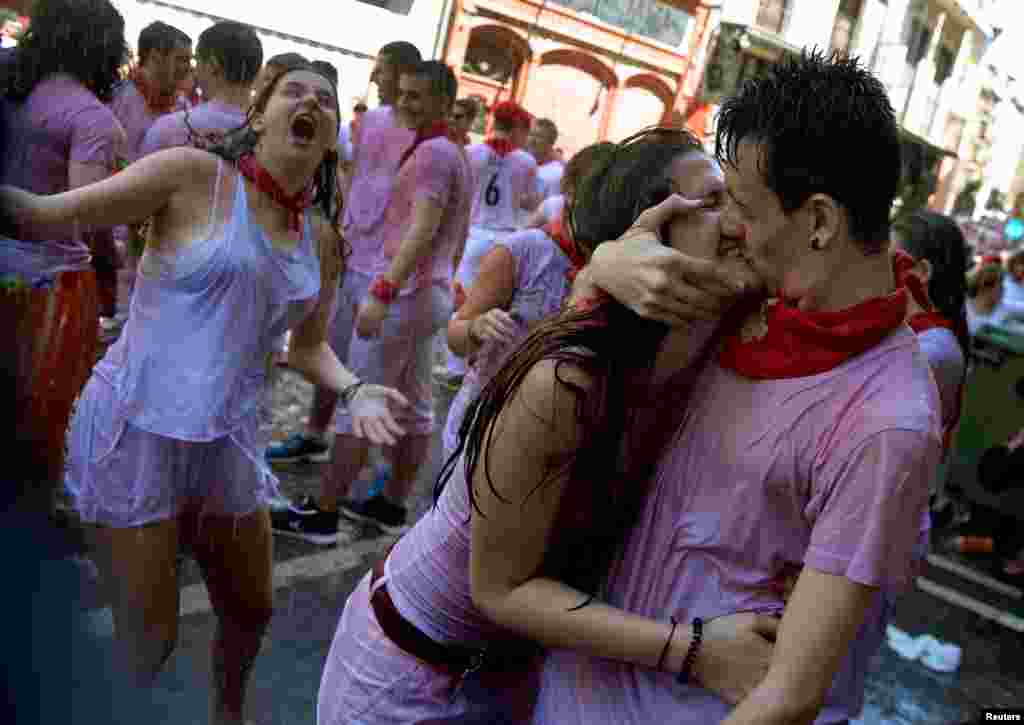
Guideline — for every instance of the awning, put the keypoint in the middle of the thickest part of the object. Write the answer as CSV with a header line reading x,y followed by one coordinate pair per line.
x,y
911,137
735,47
762,43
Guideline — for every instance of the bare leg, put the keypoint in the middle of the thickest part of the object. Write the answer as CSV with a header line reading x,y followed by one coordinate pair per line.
x,y
236,559
348,457
408,457
322,410
139,572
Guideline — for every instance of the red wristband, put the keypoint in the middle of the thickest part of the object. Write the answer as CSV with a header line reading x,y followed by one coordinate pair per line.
x,y
384,290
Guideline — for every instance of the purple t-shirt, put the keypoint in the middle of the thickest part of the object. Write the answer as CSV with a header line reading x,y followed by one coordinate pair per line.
x,y
131,110
60,122
437,172
830,471
377,149
946,358
209,123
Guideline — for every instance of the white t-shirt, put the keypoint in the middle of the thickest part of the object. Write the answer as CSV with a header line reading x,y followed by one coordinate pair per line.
x,y
552,208
344,142
549,178
501,185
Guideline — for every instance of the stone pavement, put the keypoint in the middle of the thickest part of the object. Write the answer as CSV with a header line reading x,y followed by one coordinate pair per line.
x,y
311,584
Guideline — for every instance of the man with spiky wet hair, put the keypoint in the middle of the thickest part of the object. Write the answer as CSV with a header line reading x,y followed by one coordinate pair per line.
x,y
833,421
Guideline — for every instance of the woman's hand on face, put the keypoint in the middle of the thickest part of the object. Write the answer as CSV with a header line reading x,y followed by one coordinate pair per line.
x,y
493,326
661,283
736,653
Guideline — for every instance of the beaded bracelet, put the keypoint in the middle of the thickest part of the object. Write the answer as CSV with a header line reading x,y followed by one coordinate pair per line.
x,y
350,392
691,653
664,651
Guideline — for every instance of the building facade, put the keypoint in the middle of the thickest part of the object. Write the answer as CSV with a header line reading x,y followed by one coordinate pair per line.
x,y
347,33
927,52
600,69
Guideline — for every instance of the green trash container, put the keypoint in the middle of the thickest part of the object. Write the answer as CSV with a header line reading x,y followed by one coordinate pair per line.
x,y
993,411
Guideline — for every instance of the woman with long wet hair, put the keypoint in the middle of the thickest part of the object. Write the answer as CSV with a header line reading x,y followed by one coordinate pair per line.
x,y
523,280
61,136
165,442
447,625
937,256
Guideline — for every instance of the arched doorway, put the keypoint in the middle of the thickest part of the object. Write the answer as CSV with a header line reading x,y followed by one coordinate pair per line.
x,y
572,89
641,103
493,60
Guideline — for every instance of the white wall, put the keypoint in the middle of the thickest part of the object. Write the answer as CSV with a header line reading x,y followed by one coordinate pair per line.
x,y
742,12
352,31
809,23
875,16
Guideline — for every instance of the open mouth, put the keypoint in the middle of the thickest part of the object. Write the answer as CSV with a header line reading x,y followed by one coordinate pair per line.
x,y
304,128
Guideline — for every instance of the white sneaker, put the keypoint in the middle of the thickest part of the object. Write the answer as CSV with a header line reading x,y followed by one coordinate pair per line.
x,y
903,644
932,653
941,656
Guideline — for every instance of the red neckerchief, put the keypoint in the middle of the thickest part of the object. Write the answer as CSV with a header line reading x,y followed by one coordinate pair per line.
x,y
557,233
434,130
785,342
158,102
501,146
295,204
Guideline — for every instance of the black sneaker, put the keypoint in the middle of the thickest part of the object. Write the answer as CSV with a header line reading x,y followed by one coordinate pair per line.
x,y
377,510
299,448
305,521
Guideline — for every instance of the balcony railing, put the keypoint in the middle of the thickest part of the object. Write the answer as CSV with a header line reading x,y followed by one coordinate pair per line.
x,y
655,20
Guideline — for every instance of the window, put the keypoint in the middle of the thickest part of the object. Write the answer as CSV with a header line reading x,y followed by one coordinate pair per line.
x,y
771,15
489,57
845,25
944,61
917,36
918,41
649,18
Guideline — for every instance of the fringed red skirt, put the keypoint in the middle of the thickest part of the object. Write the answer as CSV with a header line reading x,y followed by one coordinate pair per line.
x,y
54,331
